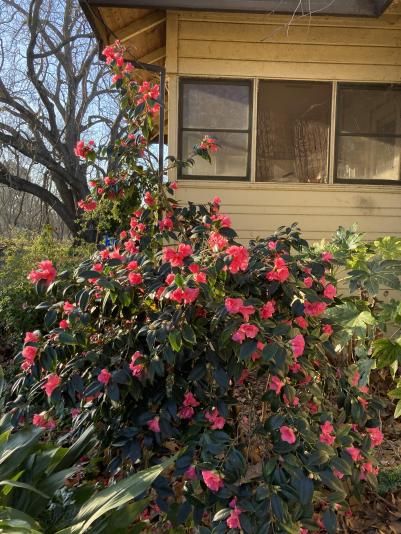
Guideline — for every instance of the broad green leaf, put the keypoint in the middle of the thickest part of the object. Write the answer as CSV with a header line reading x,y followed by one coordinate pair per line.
x,y
117,495
397,411
22,485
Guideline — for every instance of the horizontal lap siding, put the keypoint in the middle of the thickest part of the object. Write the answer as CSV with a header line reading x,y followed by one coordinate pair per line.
x,y
271,46
258,212
320,48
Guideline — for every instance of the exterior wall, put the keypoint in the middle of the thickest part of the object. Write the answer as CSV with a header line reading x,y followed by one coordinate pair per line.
x,y
277,47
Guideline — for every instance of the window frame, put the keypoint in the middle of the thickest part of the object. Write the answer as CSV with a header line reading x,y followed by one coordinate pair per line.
x,y
253,84
338,135
222,81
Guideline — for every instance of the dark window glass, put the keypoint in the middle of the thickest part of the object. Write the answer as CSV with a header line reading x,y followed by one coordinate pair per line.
x,y
369,133
221,109
293,131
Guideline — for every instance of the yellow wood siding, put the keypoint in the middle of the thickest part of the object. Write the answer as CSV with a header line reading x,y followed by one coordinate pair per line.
x,y
272,46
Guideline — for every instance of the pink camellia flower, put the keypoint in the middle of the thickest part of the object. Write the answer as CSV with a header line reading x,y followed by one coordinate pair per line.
x,y
52,382
240,258
190,294
246,312
326,435
327,256
271,245
81,149
177,295
186,412
280,271
233,305
376,436
200,278
213,480
330,291
314,309
268,310
115,254
216,419
194,268
87,205
68,307
287,434
368,467
301,322
173,186
355,453
64,324
134,278
170,278
45,271
250,330
132,265
190,400
176,257
148,199
327,329
166,224
327,427
190,473
217,241
31,337
217,201
98,267
276,384
233,520
298,345
29,353
136,368
295,368
104,376
308,281
238,336
41,420
154,425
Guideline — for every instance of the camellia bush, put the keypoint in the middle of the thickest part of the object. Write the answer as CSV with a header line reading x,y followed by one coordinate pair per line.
x,y
182,341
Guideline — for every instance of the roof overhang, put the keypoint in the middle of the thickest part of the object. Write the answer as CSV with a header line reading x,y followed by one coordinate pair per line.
x,y
355,8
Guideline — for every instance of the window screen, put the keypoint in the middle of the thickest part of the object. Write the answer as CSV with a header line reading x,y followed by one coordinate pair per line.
x,y
220,109
293,131
368,133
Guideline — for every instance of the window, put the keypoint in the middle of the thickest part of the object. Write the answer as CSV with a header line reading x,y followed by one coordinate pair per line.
x,y
221,109
295,138
368,133
293,131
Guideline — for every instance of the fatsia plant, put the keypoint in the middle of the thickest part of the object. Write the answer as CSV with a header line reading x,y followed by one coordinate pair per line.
x,y
180,339
370,316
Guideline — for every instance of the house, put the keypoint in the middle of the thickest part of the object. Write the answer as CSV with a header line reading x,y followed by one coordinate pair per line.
x,y
304,97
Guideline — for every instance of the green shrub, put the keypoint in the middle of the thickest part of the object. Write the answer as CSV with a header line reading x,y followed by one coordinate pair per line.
x,y
17,296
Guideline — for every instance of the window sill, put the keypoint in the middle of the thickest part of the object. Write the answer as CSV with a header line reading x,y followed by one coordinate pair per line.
x,y
276,186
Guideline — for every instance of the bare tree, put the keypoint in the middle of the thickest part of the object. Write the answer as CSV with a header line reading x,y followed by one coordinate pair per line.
x,y
53,92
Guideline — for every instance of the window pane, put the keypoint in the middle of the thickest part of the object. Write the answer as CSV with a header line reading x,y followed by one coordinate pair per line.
x,y
293,132
375,110
230,160
369,158
215,105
